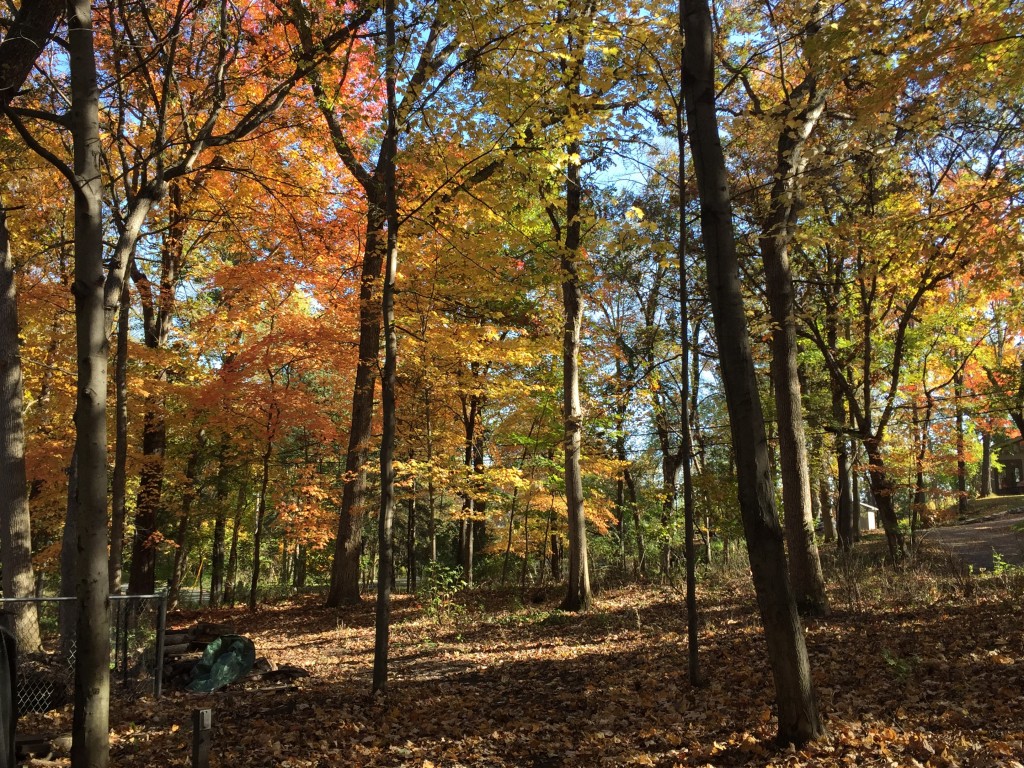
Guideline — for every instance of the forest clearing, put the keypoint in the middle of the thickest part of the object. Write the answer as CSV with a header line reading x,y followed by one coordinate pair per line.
x,y
921,668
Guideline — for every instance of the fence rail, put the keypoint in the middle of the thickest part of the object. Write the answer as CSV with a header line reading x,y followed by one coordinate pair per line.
x,y
45,679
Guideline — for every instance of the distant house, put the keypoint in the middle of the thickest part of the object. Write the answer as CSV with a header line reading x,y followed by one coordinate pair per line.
x,y
1009,479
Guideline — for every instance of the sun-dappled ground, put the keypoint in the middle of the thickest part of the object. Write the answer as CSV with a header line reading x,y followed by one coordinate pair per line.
x,y
911,669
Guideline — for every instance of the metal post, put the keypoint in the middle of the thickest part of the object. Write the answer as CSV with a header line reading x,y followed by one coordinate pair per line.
x,y
202,724
161,629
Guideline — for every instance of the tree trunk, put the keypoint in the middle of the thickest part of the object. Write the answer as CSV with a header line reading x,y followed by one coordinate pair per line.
x,y
686,433
219,527
189,493
157,313
232,572
578,597
882,490
119,480
16,526
90,732
348,546
261,507
799,720
961,458
985,481
382,631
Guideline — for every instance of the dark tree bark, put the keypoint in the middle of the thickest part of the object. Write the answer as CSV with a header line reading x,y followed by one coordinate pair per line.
x,y
961,462
28,35
686,447
15,523
189,493
261,504
219,526
158,306
119,480
799,720
389,381
805,104
232,571
578,597
90,734
985,481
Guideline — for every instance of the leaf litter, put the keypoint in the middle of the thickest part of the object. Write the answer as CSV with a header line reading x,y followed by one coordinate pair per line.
x,y
937,685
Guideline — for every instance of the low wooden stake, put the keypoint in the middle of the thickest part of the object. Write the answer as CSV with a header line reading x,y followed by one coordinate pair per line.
x,y
202,725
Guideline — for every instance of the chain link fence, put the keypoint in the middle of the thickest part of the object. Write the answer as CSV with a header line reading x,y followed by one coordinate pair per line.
x,y
45,678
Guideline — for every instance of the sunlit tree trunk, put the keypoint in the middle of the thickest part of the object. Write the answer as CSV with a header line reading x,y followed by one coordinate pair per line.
x,y
799,720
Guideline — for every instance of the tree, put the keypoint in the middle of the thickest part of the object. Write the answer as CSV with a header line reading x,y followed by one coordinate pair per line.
x,y
799,720
15,526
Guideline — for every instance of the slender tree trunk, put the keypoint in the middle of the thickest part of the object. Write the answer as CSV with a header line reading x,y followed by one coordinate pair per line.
x,y
385,520
985,481
119,480
261,507
410,544
15,523
578,597
219,527
799,720
90,732
961,458
686,432
232,572
189,493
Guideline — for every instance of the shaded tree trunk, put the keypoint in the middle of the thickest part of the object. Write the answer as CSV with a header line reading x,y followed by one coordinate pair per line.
x,y
219,526
985,481
799,720
261,505
232,572
578,596
15,523
119,479
90,732
382,629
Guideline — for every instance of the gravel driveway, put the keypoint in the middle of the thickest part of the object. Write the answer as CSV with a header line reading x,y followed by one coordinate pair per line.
x,y
975,542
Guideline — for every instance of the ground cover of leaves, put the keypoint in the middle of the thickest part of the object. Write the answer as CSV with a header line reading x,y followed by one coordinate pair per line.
x,y
907,674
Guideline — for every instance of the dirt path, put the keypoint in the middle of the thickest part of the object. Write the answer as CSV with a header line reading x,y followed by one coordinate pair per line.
x,y
975,542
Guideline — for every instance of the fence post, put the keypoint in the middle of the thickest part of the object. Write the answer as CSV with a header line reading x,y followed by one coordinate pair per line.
x,y
161,629
202,723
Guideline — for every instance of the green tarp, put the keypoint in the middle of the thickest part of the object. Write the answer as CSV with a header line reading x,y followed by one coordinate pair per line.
x,y
225,660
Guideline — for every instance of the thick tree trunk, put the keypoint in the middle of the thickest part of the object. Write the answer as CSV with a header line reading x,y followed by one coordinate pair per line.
x,y
799,720
15,523
348,545
90,733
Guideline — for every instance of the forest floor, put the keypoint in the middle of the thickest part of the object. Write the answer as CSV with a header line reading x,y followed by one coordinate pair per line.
x,y
922,667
